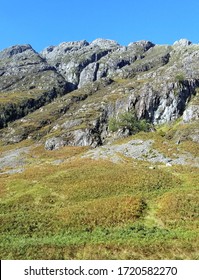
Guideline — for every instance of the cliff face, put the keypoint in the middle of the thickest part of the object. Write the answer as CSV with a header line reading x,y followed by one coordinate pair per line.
x,y
71,94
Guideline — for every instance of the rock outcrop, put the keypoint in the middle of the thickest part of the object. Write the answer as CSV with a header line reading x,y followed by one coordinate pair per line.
x,y
67,94
81,62
27,82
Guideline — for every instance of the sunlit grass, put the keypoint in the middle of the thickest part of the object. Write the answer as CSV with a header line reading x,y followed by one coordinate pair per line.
x,y
180,209
88,209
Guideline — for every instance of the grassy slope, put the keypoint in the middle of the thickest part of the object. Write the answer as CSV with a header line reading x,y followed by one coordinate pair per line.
x,y
84,209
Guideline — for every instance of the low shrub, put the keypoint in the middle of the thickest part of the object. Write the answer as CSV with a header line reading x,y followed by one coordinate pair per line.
x,y
128,120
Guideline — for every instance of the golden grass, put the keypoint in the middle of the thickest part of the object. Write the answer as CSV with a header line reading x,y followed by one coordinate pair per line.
x,y
39,152
22,144
89,209
84,179
180,208
107,212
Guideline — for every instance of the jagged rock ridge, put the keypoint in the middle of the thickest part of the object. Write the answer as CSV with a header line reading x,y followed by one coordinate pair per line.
x,y
67,94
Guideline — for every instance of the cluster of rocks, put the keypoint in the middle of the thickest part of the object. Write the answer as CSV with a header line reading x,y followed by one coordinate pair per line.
x,y
140,150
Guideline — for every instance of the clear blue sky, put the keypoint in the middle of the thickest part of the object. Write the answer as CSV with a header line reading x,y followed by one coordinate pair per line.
x,y
50,22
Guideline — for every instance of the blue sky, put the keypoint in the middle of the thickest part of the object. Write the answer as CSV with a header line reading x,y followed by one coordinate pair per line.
x,y
50,22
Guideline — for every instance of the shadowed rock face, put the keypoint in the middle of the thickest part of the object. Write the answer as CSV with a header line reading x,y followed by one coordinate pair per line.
x,y
102,79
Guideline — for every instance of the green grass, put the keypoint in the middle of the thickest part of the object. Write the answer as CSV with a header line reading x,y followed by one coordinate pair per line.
x,y
85,209
130,242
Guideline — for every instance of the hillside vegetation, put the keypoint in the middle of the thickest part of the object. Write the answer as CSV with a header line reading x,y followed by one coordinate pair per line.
x,y
97,209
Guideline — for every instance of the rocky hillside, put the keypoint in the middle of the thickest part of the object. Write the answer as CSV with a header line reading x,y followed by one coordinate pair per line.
x,y
80,93
99,151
